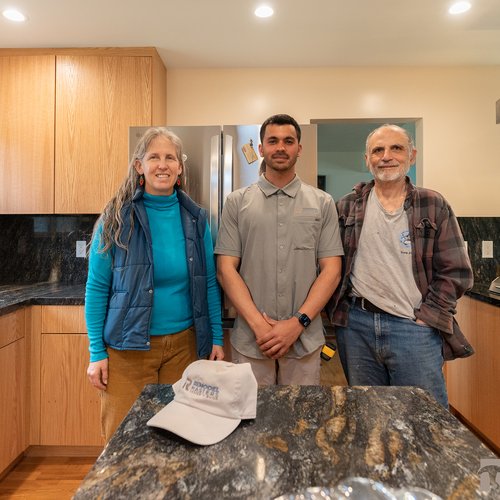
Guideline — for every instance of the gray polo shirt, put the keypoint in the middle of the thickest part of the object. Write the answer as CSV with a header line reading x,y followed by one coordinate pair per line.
x,y
279,234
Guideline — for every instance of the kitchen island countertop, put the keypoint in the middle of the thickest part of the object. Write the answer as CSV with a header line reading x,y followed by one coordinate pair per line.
x,y
303,436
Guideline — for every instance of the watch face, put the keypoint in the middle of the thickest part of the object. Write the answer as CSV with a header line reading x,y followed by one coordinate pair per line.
x,y
304,320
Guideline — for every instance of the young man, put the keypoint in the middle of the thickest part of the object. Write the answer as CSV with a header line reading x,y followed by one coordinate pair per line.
x,y
405,268
273,237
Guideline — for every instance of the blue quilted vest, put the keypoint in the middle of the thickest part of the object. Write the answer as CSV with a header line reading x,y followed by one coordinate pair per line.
x,y
131,299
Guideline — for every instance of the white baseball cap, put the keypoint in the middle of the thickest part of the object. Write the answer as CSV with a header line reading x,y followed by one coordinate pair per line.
x,y
211,399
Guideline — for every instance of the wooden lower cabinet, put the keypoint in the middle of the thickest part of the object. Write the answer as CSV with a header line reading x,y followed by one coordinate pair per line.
x,y
46,399
488,371
13,388
461,374
473,382
69,405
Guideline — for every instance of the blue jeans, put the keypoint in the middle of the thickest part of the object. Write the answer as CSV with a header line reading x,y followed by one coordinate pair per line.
x,y
382,349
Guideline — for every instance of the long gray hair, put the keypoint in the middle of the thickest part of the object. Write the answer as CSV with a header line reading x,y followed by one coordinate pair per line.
x,y
111,217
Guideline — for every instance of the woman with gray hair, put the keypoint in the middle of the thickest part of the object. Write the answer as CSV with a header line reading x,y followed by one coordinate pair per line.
x,y
152,302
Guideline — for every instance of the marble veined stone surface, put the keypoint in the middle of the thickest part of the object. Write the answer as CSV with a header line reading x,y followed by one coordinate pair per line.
x,y
303,436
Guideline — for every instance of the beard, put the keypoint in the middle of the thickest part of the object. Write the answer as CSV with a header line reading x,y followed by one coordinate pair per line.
x,y
392,175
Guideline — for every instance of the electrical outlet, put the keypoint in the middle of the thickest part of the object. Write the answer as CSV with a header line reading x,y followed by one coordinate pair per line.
x,y
81,247
487,250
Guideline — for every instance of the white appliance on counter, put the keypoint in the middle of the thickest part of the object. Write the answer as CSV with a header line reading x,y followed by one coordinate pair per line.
x,y
221,159
495,286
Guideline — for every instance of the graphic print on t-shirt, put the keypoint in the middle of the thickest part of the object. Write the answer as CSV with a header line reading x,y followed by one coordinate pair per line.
x,y
405,242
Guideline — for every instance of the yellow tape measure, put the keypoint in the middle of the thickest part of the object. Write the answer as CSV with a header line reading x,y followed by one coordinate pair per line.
x,y
328,351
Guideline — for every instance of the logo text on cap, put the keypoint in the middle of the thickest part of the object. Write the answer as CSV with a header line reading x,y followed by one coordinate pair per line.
x,y
200,389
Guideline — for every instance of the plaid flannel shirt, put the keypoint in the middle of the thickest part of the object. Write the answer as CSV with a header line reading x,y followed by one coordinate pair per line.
x,y
441,265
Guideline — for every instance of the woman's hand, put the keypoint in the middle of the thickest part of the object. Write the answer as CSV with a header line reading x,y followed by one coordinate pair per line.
x,y
217,353
97,373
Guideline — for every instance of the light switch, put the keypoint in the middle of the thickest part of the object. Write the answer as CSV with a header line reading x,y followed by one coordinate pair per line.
x,y
487,249
81,247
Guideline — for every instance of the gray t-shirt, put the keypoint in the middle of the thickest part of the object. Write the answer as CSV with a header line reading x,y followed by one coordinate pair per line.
x,y
382,270
279,235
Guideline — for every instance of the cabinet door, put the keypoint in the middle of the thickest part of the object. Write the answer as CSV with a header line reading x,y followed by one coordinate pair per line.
x,y
12,402
13,387
488,378
70,406
473,382
461,374
97,100
27,134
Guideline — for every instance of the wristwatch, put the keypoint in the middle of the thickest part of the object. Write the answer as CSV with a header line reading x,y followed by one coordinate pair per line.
x,y
303,318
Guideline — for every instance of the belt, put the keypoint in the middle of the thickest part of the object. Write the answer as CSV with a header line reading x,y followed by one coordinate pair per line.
x,y
368,306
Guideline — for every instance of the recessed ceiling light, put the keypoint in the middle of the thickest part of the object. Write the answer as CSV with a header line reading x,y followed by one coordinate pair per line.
x,y
459,7
264,11
14,15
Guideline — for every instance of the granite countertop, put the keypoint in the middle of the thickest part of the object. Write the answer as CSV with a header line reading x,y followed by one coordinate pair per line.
x,y
13,297
480,292
303,436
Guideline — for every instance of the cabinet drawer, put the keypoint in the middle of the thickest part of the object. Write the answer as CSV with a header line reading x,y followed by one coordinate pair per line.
x,y
63,319
11,327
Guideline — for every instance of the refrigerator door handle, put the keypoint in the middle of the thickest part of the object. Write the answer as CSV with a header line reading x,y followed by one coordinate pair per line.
x,y
215,159
227,174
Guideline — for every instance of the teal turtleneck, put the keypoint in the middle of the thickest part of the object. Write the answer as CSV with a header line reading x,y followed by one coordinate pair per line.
x,y
172,303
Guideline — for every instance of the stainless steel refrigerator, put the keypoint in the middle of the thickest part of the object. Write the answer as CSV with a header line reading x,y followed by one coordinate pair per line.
x,y
221,159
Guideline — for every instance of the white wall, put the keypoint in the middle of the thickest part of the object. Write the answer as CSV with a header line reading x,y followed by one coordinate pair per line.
x,y
461,141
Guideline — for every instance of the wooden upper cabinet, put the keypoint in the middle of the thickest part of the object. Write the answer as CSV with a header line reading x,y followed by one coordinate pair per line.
x,y
64,121
97,99
27,134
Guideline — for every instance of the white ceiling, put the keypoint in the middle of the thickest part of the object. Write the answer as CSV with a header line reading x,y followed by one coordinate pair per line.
x,y
302,33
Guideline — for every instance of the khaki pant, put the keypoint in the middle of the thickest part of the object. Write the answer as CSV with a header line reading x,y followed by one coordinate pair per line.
x,y
283,371
130,371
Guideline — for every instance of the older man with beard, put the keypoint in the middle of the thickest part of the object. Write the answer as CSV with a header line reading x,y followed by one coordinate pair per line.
x,y
405,268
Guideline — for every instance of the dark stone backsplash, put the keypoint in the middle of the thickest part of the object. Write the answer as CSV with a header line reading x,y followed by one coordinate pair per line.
x,y
39,248
475,231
